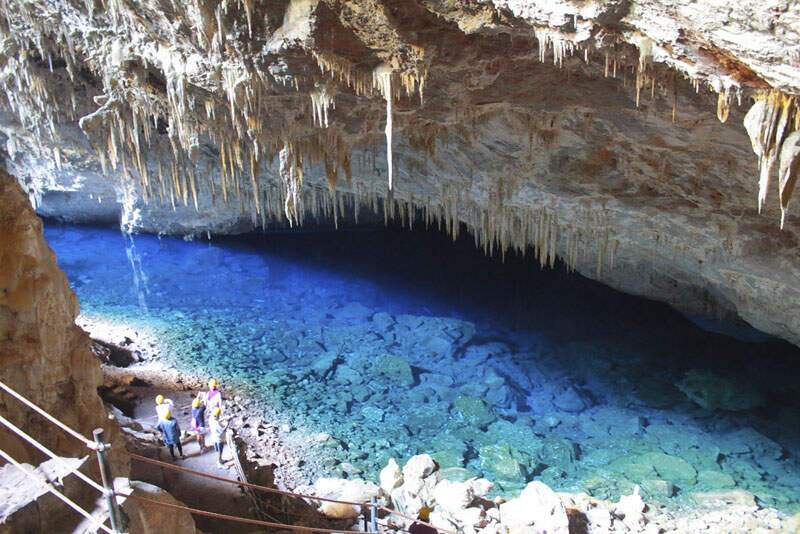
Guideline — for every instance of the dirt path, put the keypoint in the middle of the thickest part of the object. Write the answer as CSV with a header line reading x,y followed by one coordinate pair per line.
x,y
195,491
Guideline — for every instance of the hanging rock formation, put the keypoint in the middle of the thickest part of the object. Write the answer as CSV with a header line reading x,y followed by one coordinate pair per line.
x,y
635,140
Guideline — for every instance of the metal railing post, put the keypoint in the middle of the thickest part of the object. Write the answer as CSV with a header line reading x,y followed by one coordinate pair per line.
x,y
373,515
108,481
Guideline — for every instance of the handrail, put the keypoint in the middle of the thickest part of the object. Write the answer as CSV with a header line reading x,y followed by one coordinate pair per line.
x,y
49,417
57,493
237,482
274,490
244,519
50,453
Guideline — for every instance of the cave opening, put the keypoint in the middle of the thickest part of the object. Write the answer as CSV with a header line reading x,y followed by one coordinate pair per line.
x,y
394,342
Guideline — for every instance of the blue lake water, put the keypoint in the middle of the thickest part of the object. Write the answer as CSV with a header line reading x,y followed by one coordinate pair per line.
x,y
397,343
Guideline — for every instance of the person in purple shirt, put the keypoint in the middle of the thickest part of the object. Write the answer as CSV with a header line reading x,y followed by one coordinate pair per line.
x,y
199,421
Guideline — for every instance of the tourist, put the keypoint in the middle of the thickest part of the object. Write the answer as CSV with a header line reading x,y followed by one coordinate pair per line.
x,y
163,406
199,420
216,433
171,434
214,396
420,528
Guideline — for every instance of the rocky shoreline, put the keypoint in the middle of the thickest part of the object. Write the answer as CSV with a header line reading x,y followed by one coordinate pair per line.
x,y
460,501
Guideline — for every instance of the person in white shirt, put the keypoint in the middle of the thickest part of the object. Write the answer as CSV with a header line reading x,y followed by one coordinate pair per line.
x,y
216,433
162,407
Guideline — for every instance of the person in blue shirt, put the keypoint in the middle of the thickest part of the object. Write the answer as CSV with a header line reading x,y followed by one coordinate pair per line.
x,y
171,434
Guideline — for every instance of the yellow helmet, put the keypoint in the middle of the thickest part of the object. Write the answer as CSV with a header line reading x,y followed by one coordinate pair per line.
x,y
424,513
216,411
159,399
212,384
167,414
196,403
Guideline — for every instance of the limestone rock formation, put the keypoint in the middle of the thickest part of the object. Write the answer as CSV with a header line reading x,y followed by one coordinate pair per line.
x,y
610,134
148,518
43,354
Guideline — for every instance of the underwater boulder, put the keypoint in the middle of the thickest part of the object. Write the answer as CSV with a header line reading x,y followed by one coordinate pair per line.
x,y
478,353
434,347
748,440
517,434
456,474
504,462
657,489
714,392
558,452
671,468
382,321
395,368
449,458
714,480
354,312
325,365
474,411
570,400
721,499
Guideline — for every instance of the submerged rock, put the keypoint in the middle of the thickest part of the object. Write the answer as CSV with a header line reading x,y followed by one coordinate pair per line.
x,y
395,368
671,468
570,400
714,392
714,480
504,462
474,411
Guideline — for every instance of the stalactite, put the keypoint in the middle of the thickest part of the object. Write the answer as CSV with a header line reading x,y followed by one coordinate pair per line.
x,y
788,171
723,105
321,101
768,122
382,80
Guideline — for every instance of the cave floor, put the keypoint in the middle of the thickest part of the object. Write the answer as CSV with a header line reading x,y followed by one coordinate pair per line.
x,y
372,345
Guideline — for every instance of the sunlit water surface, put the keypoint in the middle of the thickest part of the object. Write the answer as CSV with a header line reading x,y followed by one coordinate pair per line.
x,y
398,343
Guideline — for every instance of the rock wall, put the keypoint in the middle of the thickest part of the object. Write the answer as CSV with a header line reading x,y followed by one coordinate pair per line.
x,y
43,354
650,145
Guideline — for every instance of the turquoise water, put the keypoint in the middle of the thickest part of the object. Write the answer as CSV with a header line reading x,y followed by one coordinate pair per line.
x,y
396,343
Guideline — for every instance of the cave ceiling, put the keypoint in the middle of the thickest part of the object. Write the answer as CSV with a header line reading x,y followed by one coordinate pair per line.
x,y
652,145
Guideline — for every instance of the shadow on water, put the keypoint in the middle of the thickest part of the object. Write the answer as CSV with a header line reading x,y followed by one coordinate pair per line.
x,y
576,359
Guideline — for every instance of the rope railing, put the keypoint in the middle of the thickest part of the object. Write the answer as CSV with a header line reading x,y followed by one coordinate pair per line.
x,y
50,453
89,443
237,482
244,519
51,489
281,492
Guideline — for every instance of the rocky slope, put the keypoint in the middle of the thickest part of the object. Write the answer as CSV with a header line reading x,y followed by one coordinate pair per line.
x,y
634,140
43,354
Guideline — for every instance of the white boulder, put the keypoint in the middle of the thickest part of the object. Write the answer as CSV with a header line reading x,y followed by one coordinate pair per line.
x,y
391,476
537,506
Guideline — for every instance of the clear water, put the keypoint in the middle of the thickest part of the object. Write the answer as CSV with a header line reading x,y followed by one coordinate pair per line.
x,y
397,343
